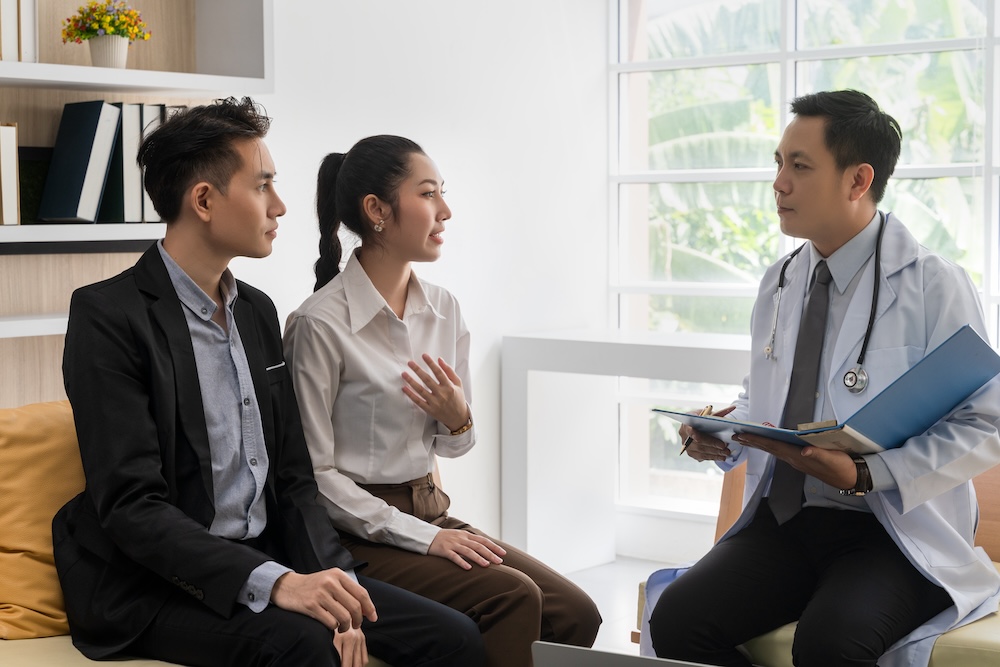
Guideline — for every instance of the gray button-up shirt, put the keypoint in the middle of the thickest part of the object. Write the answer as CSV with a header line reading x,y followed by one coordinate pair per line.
x,y
232,415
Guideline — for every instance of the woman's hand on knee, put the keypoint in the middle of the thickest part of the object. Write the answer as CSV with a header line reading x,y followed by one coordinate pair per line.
x,y
465,549
352,647
331,596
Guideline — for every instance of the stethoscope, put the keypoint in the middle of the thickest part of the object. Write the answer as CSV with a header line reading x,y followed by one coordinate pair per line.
x,y
855,379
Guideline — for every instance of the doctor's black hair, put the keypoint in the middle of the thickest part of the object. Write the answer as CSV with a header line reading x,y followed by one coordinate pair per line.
x,y
857,132
197,144
375,165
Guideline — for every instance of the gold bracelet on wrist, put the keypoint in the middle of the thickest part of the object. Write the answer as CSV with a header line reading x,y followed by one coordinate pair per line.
x,y
465,427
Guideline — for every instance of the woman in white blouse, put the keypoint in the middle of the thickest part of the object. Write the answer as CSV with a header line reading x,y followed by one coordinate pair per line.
x,y
380,363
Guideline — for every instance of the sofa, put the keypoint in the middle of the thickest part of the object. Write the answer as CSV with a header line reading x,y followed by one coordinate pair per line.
x,y
40,471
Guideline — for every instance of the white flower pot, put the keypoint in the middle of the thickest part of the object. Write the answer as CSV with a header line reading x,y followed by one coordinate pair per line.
x,y
108,51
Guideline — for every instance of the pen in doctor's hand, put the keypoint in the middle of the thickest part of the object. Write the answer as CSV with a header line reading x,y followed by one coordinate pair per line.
x,y
688,440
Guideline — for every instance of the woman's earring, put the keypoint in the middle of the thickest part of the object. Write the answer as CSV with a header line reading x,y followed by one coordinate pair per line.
x,y
380,226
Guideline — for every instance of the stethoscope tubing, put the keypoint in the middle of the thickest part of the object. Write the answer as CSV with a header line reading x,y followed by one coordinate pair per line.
x,y
855,379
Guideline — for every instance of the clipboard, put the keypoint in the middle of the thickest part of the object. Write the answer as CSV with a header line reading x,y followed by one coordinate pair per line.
x,y
929,391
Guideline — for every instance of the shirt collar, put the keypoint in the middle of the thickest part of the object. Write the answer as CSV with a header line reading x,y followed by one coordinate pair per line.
x,y
364,301
848,259
193,297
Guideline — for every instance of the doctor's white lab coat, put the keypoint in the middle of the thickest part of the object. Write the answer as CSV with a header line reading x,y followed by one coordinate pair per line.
x,y
932,515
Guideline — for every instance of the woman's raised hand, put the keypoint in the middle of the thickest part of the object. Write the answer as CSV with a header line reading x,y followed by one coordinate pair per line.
x,y
438,393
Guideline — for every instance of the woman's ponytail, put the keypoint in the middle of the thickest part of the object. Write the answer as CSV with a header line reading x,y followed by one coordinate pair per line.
x,y
330,248
374,166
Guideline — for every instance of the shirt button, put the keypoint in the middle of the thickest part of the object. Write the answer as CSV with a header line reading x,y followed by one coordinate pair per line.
x,y
813,490
204,311
253,462
246,401
251,597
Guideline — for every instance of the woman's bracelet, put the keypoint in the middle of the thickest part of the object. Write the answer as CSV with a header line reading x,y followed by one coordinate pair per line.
x,y
465,427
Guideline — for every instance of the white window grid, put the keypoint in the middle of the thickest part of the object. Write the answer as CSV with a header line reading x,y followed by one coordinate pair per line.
x,y
787,57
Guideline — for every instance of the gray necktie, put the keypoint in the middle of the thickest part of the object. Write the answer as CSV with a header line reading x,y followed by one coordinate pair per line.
x,y
786,485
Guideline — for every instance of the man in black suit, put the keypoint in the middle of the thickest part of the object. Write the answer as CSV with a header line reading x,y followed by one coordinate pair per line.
x,y
198,539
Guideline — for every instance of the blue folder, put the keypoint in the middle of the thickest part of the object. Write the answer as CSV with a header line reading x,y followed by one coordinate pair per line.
x,y
915,401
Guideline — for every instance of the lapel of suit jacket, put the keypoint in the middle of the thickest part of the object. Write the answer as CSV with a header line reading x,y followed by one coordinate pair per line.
x,y
167,312
246,322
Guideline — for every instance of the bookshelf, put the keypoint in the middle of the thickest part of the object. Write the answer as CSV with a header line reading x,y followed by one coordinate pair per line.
x,y
48,238
200,50
84,77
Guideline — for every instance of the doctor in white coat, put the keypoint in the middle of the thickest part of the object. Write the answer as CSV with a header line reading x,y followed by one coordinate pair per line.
x,y
879,533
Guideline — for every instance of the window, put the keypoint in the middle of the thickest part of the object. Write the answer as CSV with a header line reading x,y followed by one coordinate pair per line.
x,y
703,90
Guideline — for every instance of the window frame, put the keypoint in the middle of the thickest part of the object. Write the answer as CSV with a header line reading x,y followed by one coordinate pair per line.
x,y
788,56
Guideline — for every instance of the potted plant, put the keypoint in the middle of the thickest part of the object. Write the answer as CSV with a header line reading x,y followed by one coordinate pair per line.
x,y
109,27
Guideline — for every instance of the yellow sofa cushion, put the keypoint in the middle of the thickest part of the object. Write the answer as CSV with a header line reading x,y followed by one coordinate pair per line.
x,y
40,471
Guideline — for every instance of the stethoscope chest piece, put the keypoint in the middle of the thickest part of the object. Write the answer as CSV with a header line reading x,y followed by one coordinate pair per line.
x,y
856,380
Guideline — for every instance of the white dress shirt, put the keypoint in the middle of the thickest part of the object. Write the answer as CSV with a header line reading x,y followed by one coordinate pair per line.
x,y
347,351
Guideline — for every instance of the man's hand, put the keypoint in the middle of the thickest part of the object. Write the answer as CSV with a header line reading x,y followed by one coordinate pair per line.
x,y
462,548
332,597
835,468
352,648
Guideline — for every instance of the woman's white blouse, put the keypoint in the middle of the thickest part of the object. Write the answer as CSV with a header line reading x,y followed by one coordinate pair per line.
x,y
347,351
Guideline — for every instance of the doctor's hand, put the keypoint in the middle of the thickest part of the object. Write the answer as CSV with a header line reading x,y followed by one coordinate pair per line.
x,y
464,548
705,446
835,468
438,393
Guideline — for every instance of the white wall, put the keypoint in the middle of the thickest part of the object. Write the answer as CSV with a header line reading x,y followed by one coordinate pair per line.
x,y
510,100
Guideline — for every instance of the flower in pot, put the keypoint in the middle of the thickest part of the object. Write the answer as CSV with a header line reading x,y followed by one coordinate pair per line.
x,y
109,26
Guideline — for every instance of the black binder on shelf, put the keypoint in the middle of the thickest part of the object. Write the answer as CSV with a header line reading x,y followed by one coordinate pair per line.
x,y
918,399
33,164
80,160
123,194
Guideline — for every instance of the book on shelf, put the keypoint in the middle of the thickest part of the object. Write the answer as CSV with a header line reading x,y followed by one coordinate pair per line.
x,y
80,160
9,27
10,196
27,30
33,167
152,116
123,194
926,393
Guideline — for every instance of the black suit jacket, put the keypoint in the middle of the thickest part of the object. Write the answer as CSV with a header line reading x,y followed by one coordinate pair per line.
x,y
141,526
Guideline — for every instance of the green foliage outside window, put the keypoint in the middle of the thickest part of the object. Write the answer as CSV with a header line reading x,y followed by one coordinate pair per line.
x,y
728,117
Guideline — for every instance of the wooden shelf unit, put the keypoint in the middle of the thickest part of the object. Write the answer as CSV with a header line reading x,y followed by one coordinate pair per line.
x,y
199,50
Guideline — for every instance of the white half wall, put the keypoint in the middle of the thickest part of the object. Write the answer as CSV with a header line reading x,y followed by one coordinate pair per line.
x,y
510,100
